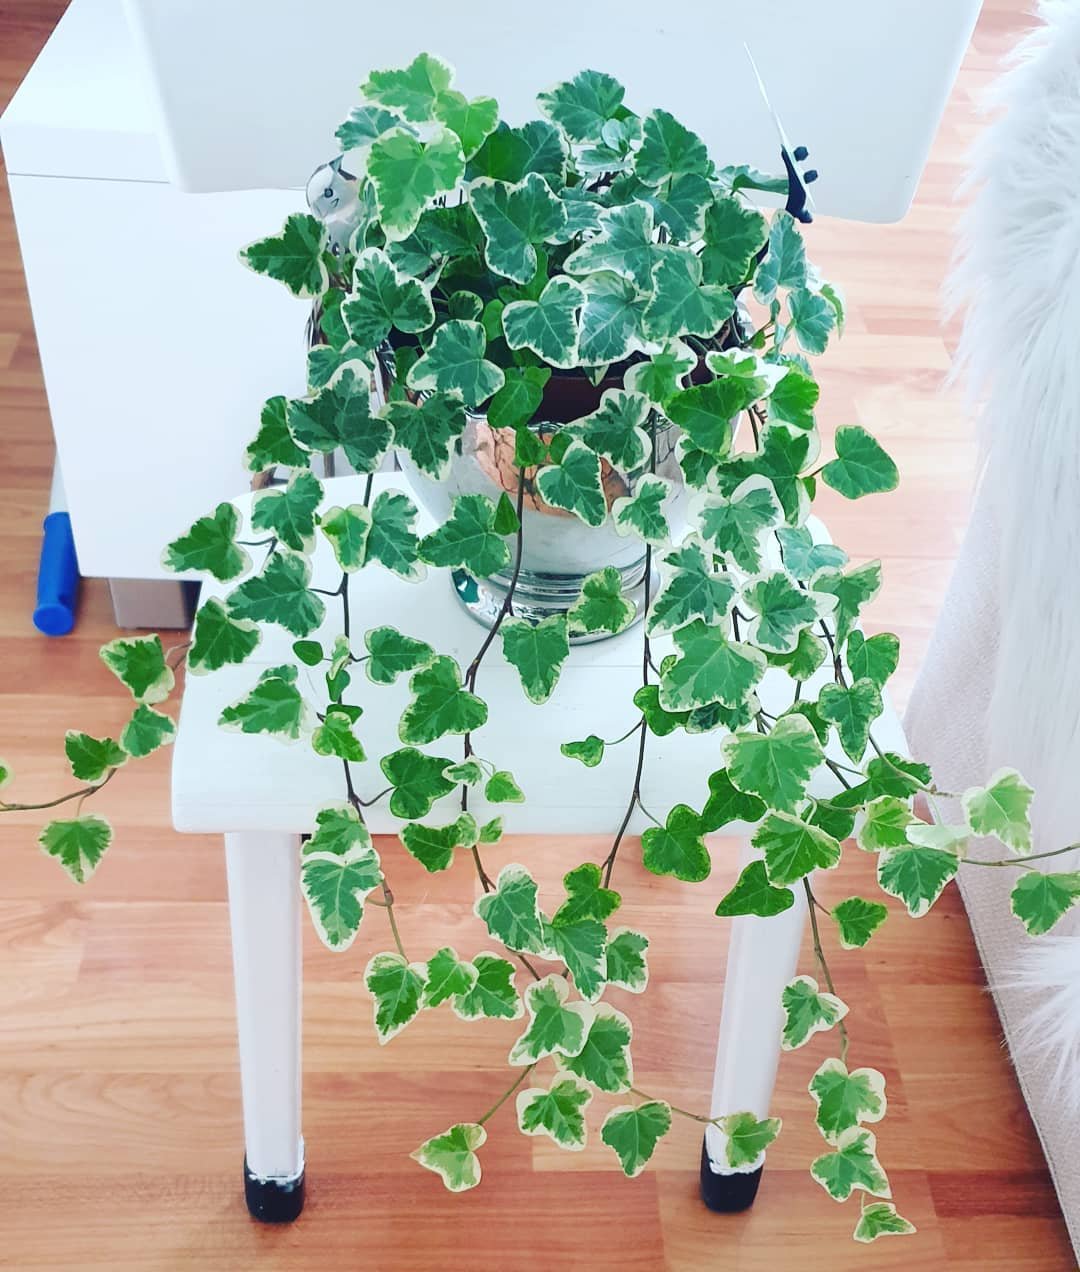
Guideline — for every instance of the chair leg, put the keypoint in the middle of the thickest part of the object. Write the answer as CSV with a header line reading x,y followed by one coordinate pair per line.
x,y
264,911
763,955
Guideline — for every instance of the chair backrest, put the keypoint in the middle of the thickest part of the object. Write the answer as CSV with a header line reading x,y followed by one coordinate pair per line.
x,y
249,91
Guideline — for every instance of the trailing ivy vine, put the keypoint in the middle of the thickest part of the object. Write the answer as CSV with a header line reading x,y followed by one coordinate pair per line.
x,y
474,261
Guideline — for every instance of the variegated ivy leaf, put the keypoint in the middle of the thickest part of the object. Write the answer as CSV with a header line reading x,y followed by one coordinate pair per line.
x,y
452,1155
448,976
734,234
783,457
397,987
91,758
736,523
916,875
746,1139
689,589
433,846
219,639
616,429
604,1061
511,913
679,206
273,443
579,942
601,607
794,848
668,149
274,705
886,824
138,662
783,610
294,257
468,538
858,920
391,652
852,1165
384,299
710,668
586,897
663,375
785,262
339,415
428,430
807,656
852,590
852,709
408,173
803,557
502,788
209,546
677,848
339,831
626,965
610,323
78,843
391,540
519,399
812,318
347,529
439,704
582,106
633,1131
754,894
624,246
681,304
335,886
455,362
472,120
334,736
557,1111
538,651
146,731
659,721
845,1100
642,513
1039,900
807,1011
290,513
574,484
775,766
417,780
548,325
793,399
364,125
1001,808
726,803
555,1027
590,750
412,90
494,996
280,594
705,412
880,1219
515,218
861,466
875,659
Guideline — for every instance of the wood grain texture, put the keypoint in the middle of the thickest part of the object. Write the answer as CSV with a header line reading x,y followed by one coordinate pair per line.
x,y
120,1135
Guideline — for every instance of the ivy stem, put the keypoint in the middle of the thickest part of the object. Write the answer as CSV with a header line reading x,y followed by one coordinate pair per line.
x,y
694,1117
1021,862
82,793
506,1094
812,905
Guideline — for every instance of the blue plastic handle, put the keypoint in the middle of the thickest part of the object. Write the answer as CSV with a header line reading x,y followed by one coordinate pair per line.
x,y
58,577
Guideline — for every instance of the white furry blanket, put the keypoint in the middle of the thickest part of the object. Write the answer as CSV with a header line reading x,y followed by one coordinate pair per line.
x,y
1001,681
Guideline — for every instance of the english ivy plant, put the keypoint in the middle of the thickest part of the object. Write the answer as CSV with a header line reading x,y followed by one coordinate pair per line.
x,y
487,258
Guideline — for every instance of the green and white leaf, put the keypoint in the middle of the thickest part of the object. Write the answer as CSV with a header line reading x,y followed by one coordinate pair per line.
x,y
710,668
557,1111
734,234
397,988
783,611
610,319
853,710
627,967
735,523
852,590
220,640
880,1219
785,262
669,149
289,514
392,541
794,848
642,513
347,530
274,443
274,705
808,1010
811,320
452,1155
604,1061
417,780
555,1027
455,362
616,430
280,594
624,246
433,846
538,651
916,875
210,546
574,485
726,804
146,731
1001,808
138,662
1038,900
448,976
590,750
428,430
294,257
91,758
335,886
677,848
408,174
746,1139
601,607
391,653
439,704
689,589
582,106
775,766
334,737
515,218
473,121
339,415
413,90
494,996
754,894
845,1100
803,557
384,299
468,538
78,843
511,913
861,466
875,659
548,325
853,1165
634,1131
681,304
858,920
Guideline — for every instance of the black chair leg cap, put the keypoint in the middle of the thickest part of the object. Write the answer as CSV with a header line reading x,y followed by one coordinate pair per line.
x,y
727,1194
273,1200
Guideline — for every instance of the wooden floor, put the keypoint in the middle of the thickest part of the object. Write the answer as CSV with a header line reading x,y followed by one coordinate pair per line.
x,y
120,1136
